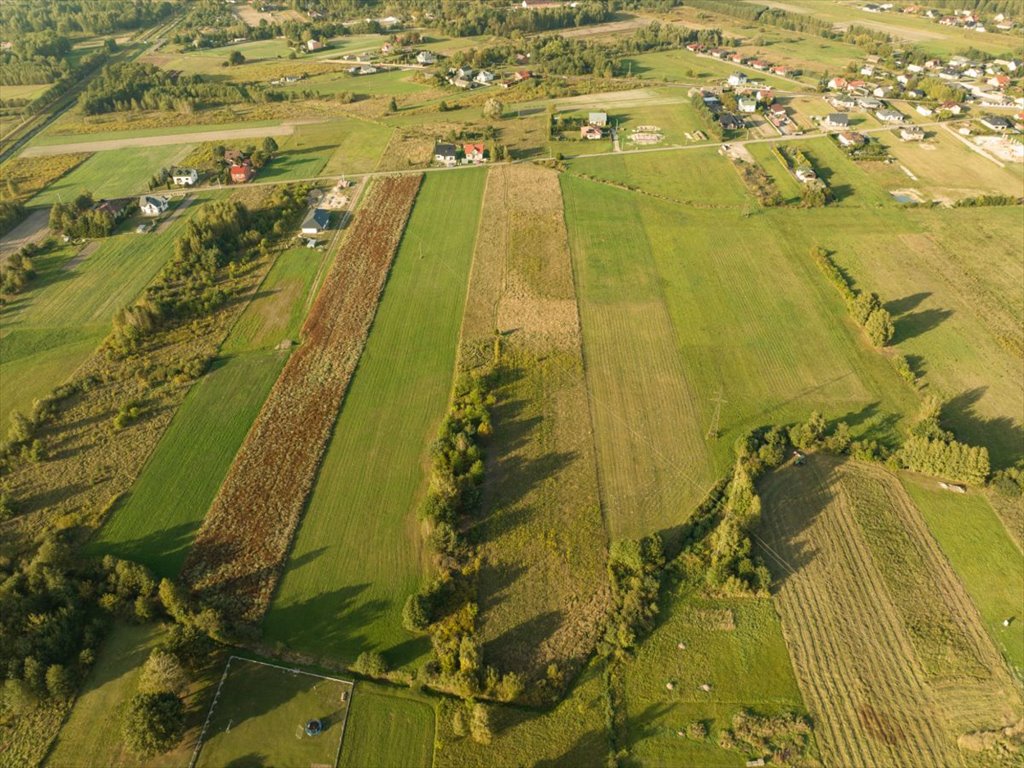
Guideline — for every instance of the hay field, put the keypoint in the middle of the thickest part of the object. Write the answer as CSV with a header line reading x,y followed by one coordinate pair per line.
x,y
357,553
543,586
889,652
674,302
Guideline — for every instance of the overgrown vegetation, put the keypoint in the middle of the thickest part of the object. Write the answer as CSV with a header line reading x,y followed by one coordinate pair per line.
x,y
865,308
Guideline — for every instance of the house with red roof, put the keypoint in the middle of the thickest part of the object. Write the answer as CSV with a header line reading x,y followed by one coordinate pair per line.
x,y
474,154
241,172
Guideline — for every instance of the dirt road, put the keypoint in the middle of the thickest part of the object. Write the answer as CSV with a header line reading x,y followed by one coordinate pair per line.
x,y
285,129
33,229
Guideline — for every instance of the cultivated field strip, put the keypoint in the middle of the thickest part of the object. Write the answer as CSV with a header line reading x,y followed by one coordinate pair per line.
x,y
243,542
853,657
540,496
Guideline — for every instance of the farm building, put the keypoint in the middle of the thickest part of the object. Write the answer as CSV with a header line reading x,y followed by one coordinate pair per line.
x,y
599,119
242,172
445,154
153,205
185,177
836,120
316,221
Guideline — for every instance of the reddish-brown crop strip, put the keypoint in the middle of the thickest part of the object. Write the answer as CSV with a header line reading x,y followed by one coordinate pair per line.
x,y
239,551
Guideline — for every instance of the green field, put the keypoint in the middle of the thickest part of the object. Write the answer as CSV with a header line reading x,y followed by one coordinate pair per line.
x,y
989,564
114,173
48,138
360,145
258,718
736,647
30,92
155,527
357,554
686,67
673,302
66,311
87,737
388,727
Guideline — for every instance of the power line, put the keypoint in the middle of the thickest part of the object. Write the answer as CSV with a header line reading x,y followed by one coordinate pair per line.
x,y
713,430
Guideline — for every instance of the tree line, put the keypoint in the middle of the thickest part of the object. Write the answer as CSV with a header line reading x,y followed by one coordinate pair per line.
x,y
865,308
128,85
464,20
94,17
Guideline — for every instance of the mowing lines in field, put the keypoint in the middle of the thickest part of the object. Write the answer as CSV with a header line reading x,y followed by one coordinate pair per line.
x,y
290,670
358,553
540,495
240,548
844,618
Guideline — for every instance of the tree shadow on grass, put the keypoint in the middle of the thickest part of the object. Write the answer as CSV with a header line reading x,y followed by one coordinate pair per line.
x,y
1003,437
902,306
914,324
517,646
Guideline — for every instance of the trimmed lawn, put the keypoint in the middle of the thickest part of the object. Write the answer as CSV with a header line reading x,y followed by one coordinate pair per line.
x,y
987,561
114,173
259,716
388,726
357,554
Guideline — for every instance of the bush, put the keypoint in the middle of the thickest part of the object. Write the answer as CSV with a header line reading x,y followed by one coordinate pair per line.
x,y
162,673
879,327
371,664
153,723
480,724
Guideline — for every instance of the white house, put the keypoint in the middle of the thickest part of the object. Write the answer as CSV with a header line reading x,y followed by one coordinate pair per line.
x,y
912,133
924,110
747,105
484,77
890,116
425,57
445,154
153,205
836,120
915,68
185,177
313,45
598,118
737,78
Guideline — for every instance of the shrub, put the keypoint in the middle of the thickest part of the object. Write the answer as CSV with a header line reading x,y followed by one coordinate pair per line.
x,y
480,724
371,664
162,673
153,723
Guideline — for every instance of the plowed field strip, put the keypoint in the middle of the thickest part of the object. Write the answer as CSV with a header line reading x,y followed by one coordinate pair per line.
x,y
239,550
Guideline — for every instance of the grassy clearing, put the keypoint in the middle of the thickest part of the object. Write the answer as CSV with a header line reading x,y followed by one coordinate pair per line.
x,y
572,733
115,173
672,302
155,527
388,727
48,138
357,552
682,66
259,716
360,145
540,494
724,640
951,280
974,540
862,592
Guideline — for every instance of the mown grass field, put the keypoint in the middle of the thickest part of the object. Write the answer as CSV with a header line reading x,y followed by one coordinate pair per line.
x,y
890,655
114,173
572,733
389,727
357,553
951,280
155,524
673,301
54,137
259,716
682,66
984,557
736,647
50,329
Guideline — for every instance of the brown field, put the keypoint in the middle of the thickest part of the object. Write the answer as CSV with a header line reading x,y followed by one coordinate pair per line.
x,y
252,17
890,654
540,496
28,175
244,540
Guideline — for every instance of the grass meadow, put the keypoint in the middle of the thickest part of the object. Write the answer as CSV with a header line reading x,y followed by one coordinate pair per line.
x,y
357,553
156,522
388,726
50,329
259,715
673,300
114,173
984,557
735,646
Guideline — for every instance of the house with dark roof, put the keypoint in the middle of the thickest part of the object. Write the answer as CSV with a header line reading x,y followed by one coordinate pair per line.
x,y
445,154
316,221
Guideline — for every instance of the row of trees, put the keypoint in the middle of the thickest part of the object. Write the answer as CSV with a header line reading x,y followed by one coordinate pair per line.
x,y
865,308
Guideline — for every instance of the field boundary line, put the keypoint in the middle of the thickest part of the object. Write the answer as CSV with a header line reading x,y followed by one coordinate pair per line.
x,y
209,714
344,720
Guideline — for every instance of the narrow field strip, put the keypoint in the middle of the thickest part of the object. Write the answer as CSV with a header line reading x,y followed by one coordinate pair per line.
x,y
244,539
358,553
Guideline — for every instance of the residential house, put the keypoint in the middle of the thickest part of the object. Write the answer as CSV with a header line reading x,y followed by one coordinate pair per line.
x,y
598,118
868,102
838,120
590,132
884,91
999,81
465,73
933,63
313,45
474,154
915,93
952,107
368,69
185,177
748,106
837,84
923,109
389,22
890,116
738,58
731,122
445,154
153,205
781,70
867,70
911,133
850,139
805,174
995,123
316,221
425,57
484,77
777,110
521,75
115,209
242,172
737,78
915,68
764,96
841,101
902,79
761,65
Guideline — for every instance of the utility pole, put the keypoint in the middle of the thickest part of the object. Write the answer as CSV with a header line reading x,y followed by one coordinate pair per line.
x,y
713,430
